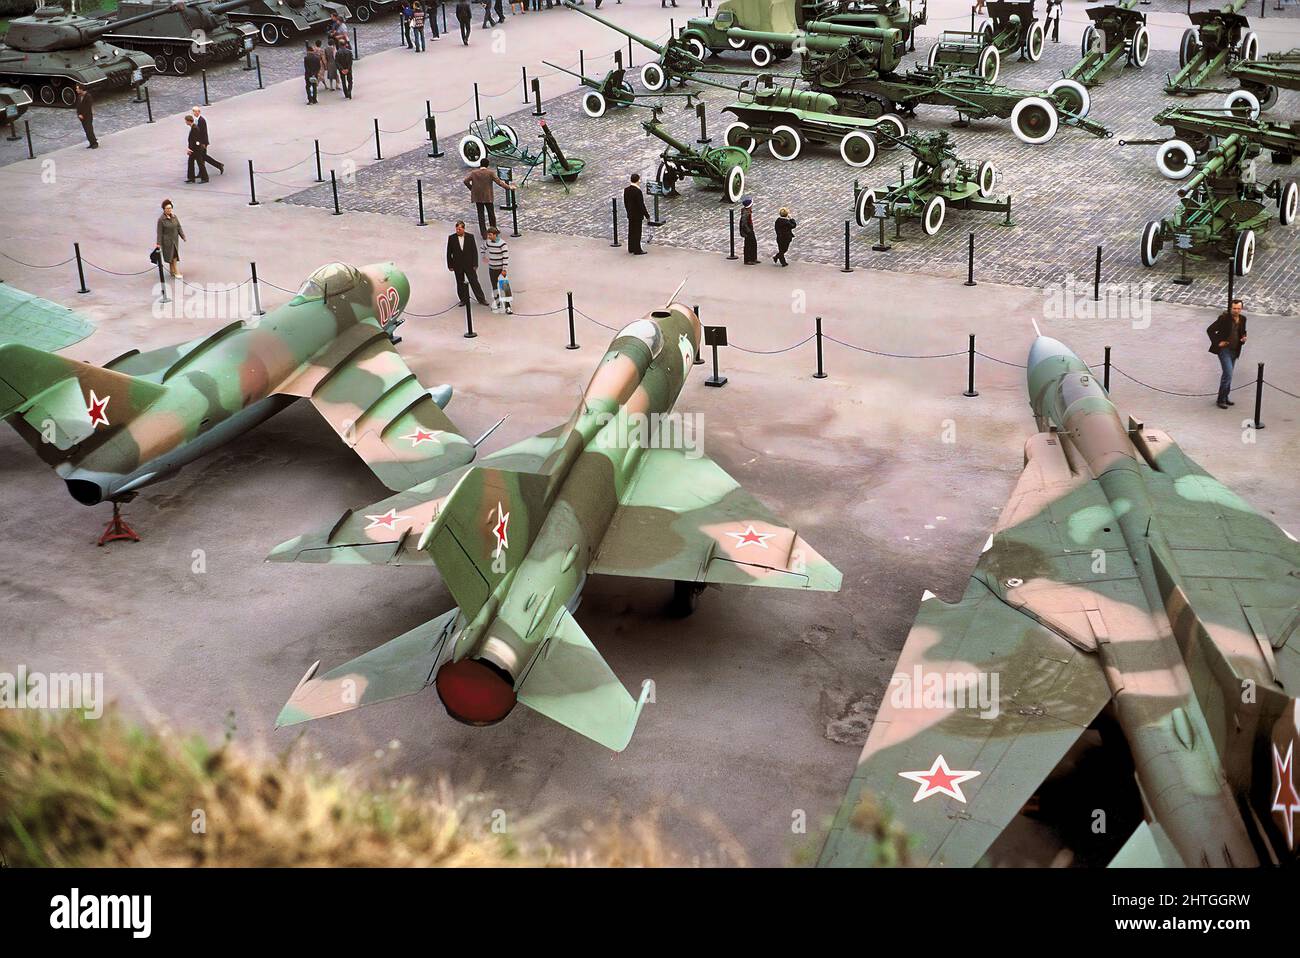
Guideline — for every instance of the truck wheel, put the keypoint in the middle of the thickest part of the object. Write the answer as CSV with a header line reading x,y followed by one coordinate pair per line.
x,y
737,134
858,148
786,144
1139,48
1243,254
1242,103
1034,42
987,178
653,77
1188,46
593,104
1287,203
735,184
990,64
1250,46
1152,243
1175,159
270,34
472,150
1034,120
865,208
760,54
1071,96
697,47
932,216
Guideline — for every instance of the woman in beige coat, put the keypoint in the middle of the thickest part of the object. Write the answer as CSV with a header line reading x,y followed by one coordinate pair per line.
x,y
170,234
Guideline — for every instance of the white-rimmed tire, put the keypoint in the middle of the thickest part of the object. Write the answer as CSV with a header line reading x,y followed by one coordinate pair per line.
x,y
933,58
735,184
736,44
1034,120
471,149
760,54
593,104
653,77
1287,203
1034,42
865,208
1250,46
1071,95
894,124
987,178
737,134
1242,103
932,215
858,148
363,13
510,133
697,48
1267,98
1188,46
1243,254
990,64
786,143
1090,38
1175,159
986,29
1139,48
1151,243
270,34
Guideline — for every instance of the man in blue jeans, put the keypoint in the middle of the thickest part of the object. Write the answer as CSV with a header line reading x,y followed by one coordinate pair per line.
x,y
1227,336
417,26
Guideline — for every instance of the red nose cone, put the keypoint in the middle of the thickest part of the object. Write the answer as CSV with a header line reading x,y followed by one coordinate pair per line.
x,y
474,692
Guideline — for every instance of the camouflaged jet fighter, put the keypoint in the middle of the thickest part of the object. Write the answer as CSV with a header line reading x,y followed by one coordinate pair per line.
x,y
110,430
516,536
1135,622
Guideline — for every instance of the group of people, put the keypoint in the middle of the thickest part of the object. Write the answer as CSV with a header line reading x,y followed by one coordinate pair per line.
x,y
329,63
197,149
462,251
637,216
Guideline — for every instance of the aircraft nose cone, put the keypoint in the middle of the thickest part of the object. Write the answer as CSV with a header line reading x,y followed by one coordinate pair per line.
x,y
1045,347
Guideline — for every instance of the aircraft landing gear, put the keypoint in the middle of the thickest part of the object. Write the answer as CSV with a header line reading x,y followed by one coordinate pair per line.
x,y
686,596
117,529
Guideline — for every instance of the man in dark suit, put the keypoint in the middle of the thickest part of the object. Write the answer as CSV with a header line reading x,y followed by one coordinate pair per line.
x,y
343,57
634,204
1227,337
196,152
201,124
311,72
462,259
85,107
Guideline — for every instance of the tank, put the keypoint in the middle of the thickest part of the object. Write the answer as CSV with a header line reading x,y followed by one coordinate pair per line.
x,y
13,104
363,10
193,36
47,54
279,21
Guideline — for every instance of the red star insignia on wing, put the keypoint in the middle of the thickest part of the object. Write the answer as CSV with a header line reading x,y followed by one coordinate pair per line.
x,y
1285,799
501,530
751,537
387,520
98,410
419,436
939,780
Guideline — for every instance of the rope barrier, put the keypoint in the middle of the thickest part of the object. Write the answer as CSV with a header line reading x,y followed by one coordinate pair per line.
x,y
876,352
407,312
1279,389
147,269
773,352
34,266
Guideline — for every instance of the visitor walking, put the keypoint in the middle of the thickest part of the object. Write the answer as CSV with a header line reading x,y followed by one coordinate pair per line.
x,y
785,225
1227,337
311,72
498,260
637,214
168,239
343,60
85,107
417,26
747,231
195,153
463,17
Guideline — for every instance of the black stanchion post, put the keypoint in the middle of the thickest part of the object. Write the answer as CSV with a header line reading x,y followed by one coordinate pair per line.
x,y
378,153
613,212
573,338
1105,371
27,126
731,219
13,136
525,73
970,372
356,46
970,261
257,293
715,336
704,126
537,96
148,105
847,268
882,246
162,281
1259,395
81,270
1096,277
1232,281
432,123
629,53
252,186
334,187
204,74
821,369
469,317
320,177
582,62
514,213
478,113
419,199
257,61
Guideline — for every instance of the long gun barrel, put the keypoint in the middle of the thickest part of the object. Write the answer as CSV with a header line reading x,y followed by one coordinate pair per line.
x,y
1227,154
648,44
228,5
112,26
886,35
654,129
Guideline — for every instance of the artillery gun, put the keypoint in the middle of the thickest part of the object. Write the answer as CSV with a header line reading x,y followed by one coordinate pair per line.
x,y
615,90
939,180
1221,208
724,166
190,36
48,53
1197,132
786,119
1118,34
562,168
1262,77
279,21
1012,25
1217,39
904,18
490,138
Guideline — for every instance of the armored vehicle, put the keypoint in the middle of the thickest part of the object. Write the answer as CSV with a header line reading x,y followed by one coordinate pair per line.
x,y
281,20
193,36
47,54
363,10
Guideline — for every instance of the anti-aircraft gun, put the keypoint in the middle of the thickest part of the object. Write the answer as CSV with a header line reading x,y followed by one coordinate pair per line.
x,y
1221,207
1262,77
903,17
1217,39
615,90
1117,35
190,36
724,166
939,180
281,20
1012,26
48,53
1198,131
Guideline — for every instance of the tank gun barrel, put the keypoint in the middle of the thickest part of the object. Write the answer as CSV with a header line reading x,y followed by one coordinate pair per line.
x,y
887,35
228,5
112,26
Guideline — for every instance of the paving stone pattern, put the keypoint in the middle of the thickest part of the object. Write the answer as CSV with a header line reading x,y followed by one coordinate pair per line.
x,y
1069,196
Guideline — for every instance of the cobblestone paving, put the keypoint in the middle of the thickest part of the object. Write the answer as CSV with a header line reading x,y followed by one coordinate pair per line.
x,y
1069,196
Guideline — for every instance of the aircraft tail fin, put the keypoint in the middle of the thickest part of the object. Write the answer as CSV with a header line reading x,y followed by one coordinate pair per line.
x,y
62,401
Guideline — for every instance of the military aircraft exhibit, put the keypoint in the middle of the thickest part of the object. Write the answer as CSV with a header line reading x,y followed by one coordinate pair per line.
x,y
964,334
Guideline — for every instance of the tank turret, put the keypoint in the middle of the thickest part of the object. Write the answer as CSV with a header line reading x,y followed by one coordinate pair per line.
x,y
50,30
192,35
